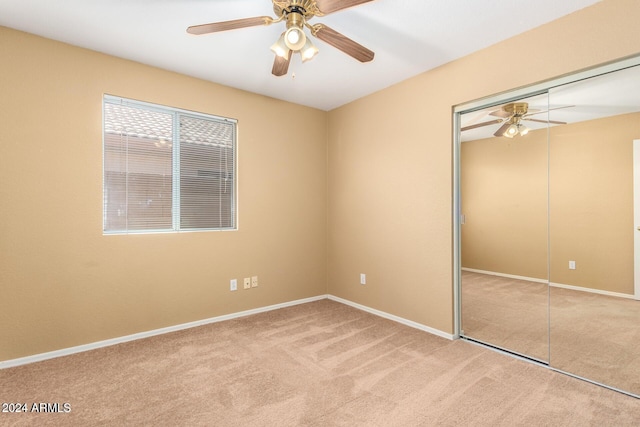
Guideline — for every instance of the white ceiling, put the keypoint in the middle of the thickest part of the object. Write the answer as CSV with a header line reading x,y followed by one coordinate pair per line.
x,y
606,95
408,37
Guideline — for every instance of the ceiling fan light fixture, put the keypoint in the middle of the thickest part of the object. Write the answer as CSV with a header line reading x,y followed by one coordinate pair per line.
x,y
308,51
511,131
523,130
280,47
295,38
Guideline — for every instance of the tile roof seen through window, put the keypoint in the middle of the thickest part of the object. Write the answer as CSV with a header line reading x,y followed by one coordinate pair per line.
x,y
208,132
154,125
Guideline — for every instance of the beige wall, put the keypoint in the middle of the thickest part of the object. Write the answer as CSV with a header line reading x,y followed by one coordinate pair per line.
x,y
390,161
591,203
504,198
62,283
389,179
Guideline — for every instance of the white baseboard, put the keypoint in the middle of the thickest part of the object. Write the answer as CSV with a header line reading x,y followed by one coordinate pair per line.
x,y
556,285
395,318
509,276
141,335
591,290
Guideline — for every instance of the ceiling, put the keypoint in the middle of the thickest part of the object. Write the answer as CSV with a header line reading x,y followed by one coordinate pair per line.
x,y
602,96
408,37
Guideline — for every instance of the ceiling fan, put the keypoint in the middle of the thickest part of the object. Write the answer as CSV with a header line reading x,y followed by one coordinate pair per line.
x,y
296,14
511,116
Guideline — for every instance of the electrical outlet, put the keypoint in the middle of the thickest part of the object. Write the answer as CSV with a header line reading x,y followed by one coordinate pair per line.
x,y
572,265
254,281
247,283
363,279
233,285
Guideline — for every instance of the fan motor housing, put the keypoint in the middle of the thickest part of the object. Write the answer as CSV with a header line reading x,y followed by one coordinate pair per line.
x,y
306,8
516,108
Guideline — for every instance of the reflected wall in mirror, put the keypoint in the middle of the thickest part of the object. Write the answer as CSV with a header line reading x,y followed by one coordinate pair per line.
x,y
504,199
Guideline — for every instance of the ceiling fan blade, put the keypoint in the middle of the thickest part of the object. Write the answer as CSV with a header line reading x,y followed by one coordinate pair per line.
x,y
502,129
330,6
555,122
342,43
215,27
550,109
478,125
501,113
281,65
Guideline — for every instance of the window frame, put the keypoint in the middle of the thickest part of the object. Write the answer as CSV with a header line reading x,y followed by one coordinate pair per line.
x,y
176,113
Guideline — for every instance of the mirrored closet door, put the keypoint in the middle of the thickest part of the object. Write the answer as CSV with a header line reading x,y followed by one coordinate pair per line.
x,y
548,236
504,204
594,311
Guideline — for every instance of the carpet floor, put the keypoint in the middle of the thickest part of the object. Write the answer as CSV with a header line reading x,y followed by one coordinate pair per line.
x,y
316,364
508,313
590,335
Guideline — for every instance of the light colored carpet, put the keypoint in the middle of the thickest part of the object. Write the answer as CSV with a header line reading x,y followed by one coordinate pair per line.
x,y
590,335
596,337
316,364
508,313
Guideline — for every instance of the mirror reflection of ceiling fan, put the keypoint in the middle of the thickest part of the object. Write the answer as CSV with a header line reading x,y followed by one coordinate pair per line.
x,y
511,116
296,14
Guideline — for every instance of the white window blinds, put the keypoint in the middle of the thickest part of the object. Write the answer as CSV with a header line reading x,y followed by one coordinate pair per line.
x,y
206,173
166,169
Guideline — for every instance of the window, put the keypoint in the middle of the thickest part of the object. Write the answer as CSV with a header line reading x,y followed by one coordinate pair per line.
x,y
166,169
